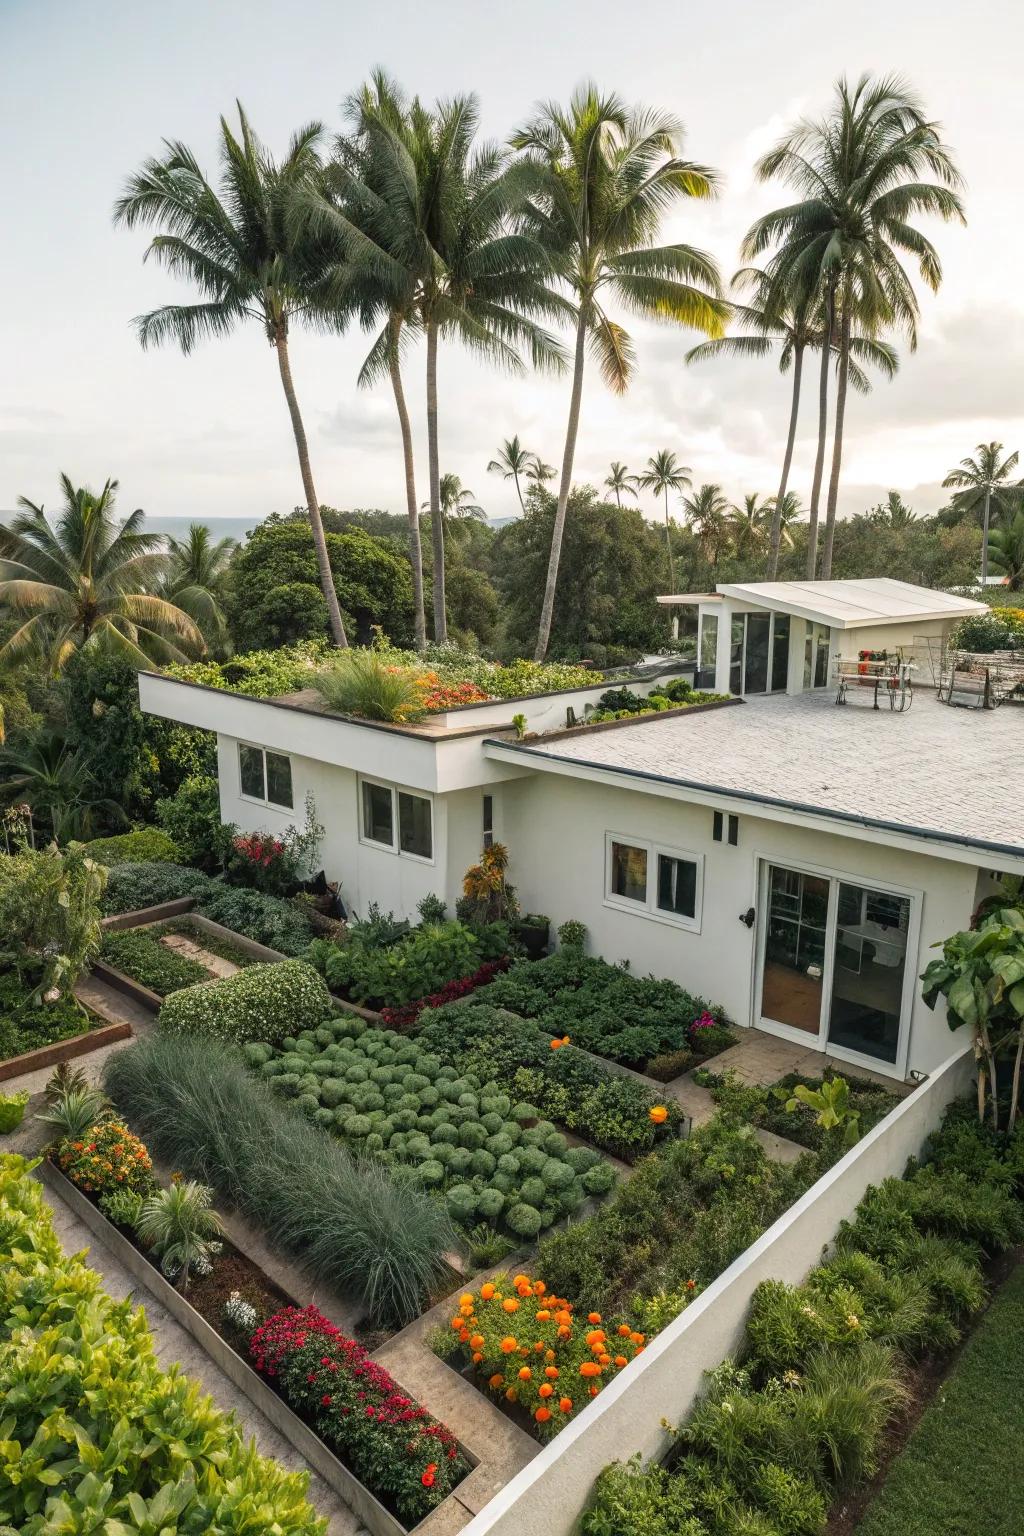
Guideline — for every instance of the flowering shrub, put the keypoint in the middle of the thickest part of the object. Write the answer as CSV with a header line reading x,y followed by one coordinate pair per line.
x,y
264,1002
404,1018
405,1457
531,1350
438,695
108,1157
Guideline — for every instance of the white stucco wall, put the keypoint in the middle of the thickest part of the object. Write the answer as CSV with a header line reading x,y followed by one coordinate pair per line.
x,y
555,827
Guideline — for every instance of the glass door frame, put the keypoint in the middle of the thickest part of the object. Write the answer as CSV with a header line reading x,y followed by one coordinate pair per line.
x,y
820,1041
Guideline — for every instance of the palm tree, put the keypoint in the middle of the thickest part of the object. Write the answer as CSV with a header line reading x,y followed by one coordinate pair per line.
x,y
707,512
237,246
1006,548
791,512
441,233
980,481
88,581
861,173
512,462
59,787
893,512
539,472
663,474
620,480
456,504
604,177
195,579
748,524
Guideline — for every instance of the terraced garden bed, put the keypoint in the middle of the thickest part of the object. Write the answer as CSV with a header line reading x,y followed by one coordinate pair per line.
x,y
768,1106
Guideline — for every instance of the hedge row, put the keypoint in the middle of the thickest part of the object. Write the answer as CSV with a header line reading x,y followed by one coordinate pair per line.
x,y
101,1437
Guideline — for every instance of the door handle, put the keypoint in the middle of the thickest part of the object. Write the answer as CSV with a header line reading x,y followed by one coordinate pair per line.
x,y
747,917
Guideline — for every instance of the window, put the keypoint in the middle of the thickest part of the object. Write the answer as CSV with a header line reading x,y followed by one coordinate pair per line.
x,y
663,883
758,653
707,651
265,776
780,652
816,651
488,821
397,820
719,828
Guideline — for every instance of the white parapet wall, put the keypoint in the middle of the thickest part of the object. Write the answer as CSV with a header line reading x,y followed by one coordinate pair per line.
x,y
547,1497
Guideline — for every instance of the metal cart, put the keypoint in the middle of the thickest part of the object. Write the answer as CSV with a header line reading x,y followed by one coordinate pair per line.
x,y
885,678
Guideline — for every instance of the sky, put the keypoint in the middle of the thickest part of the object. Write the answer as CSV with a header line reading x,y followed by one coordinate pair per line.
x,y
91,90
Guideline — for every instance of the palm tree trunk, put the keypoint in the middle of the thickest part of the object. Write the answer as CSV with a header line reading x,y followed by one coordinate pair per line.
x,y
618,499
668,541
775,538
984,536
837,443
522,506
312,504
819,462
436,524
415,547
547,611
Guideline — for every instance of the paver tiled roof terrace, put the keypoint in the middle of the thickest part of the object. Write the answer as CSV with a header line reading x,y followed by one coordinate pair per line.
x,y
934,771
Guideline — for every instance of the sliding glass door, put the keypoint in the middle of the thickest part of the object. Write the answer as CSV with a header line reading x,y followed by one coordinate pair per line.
x,y
758,653
833,963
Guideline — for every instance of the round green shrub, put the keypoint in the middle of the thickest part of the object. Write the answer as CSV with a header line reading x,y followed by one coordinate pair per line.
x,y
509,1163
459,1161
324,1118
357,1126
483,1164
374,1142
286,1082
531,1159
491,1122
557,1175
332,1091
498,1145
506,1182
429,1097
261,1003
305,1045
555,1144
489,1204
461,1202
272,1068
581,1158
599,1179
498,1104
430,1172
524,1220
472,1135
356,1074
446,1133
523,1112
257,1052
414,1081
308,1103
534,1191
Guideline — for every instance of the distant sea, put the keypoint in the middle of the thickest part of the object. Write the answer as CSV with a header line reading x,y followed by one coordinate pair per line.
x,y
177,527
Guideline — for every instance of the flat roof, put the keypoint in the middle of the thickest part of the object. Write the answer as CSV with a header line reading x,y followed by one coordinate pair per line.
x,y
854,604
689,598
934,772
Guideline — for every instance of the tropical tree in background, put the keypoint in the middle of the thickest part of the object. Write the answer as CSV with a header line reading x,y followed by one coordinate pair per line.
x,y
87,581
664,473
1006,548
539,472
893,512
707,512
456,504
790,512
749,525
194,582
860,171
620,482
58,785
239,248
604,176
979,482
513,462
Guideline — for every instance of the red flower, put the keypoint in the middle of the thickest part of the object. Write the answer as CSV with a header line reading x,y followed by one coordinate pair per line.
x,y
326,1400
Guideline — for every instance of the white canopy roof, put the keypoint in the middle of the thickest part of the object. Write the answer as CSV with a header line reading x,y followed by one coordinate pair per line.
x,y
853,604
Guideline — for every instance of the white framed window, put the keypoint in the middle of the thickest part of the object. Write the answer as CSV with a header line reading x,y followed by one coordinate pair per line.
x,y
488,821
265,776
653,880
396,820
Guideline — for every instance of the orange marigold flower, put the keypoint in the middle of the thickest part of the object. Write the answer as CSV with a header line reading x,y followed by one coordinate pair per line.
x,y
565,1403
510,1304
477,1341
539,1287
520,1279
564,1332
590,1368
563,1317
543,1315
542,1415
595,1339
508,1346
457,1323
593,1391
637,1338
496,1380
525,1373
593,1317
466,1300
539,1346
545,1390
511,1395
487,1291
551,1372
604,1359
620,1361
549,1354
477,1357
658,1113
624,1330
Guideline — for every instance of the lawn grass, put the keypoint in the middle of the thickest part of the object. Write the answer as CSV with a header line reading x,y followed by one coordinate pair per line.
x,y
962,1471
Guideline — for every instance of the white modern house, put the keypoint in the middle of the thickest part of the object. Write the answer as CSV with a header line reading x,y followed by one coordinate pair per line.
x,y
791,860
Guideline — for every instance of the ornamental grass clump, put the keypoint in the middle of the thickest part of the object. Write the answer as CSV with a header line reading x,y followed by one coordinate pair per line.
x,y
264,1002
353,1224
409,1459
360,683
530,1349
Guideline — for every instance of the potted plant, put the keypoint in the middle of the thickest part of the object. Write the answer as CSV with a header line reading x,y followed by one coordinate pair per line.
x,y
532,930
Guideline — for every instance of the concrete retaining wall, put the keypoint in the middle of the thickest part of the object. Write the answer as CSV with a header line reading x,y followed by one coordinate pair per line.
x,y
546,1498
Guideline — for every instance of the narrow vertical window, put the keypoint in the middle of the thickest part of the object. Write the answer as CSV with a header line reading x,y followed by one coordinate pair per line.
x,y
488,821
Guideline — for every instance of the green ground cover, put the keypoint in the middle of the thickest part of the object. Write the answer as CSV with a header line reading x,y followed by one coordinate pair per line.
x,y
961,1470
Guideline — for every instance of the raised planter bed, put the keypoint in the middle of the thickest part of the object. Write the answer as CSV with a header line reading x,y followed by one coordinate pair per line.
x,y
371,1512
64,1050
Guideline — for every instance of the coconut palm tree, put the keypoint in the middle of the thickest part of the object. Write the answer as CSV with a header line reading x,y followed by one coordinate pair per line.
x,y
512,462
893,512
194,582
662,474
238,248
861,174
621,481
749,525
707,512
791,512
89,581
59,787
457,505
604,177
442,227
539,472
1006,547
979,482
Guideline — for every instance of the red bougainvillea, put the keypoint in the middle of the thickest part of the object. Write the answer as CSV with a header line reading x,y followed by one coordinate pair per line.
x,y
406,1016
408,1459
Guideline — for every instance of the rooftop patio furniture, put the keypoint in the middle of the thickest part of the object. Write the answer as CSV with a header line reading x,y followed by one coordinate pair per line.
x,y
885,677
981,679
